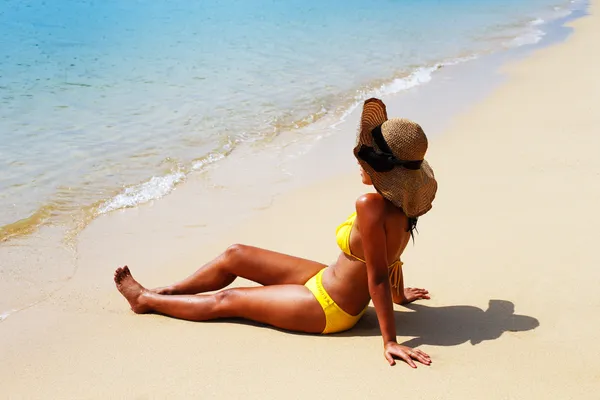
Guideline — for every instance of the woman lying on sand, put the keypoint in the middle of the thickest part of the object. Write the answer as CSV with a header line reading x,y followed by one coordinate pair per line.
x,y
307,296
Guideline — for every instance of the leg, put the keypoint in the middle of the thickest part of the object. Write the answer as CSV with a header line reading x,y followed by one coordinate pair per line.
x,y
261,266
290,307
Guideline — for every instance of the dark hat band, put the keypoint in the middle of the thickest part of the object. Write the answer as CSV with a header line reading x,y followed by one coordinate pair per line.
x,y
383,160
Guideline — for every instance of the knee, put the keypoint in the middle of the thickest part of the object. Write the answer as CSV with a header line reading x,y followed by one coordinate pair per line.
x,y
235,252
223,296
223,303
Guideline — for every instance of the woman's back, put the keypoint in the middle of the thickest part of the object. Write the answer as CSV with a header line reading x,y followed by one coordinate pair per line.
x,y
347,280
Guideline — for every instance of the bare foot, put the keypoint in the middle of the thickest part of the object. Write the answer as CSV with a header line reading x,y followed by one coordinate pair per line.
x,y
131,290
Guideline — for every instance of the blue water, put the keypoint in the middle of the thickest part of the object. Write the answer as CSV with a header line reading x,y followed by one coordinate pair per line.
x,y
106,104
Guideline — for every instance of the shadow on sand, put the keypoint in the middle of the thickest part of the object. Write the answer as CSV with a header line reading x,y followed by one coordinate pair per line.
x,y
450,325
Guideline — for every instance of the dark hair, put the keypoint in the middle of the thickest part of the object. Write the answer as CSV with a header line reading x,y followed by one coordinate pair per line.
x,y
412,226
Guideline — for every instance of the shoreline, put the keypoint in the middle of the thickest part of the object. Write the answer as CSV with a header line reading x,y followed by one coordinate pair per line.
x,y
508,318
162,184
288,162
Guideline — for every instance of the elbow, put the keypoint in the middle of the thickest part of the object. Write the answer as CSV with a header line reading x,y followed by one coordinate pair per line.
x,y
379,277
378,283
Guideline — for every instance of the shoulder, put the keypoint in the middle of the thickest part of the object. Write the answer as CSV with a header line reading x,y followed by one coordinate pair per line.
x,y
371,206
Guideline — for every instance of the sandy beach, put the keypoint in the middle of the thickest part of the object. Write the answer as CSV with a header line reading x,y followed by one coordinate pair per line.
x,y
507,252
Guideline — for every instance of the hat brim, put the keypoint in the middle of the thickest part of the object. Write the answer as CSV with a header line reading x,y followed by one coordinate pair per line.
x,y
411,190
373,114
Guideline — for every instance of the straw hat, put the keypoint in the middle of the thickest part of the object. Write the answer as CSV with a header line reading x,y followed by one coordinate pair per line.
x,y
392,152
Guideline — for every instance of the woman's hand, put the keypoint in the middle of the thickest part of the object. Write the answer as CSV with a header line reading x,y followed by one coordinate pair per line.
x,y
412,294
407,354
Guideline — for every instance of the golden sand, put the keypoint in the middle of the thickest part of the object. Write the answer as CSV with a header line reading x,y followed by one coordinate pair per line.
x,y
508,252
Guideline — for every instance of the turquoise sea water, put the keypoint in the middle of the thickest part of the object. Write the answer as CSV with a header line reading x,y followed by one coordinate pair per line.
x,y
108,104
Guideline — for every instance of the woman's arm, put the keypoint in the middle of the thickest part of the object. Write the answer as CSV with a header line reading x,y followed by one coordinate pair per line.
x,y
370,210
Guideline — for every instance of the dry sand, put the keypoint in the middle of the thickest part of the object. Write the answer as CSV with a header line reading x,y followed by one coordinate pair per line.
x,y
508,252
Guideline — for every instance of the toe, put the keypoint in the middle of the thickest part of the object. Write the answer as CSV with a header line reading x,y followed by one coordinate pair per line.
x,y
119,275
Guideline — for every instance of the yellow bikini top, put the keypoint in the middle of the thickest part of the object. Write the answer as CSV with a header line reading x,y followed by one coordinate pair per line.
x,y
342,234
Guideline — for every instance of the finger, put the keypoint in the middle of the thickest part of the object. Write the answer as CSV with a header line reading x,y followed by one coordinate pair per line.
x,y
406,357
408,360
422,359
390,359
422,353
418,296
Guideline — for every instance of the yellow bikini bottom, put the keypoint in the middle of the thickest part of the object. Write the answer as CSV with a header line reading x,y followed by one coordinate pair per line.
x,y
337,320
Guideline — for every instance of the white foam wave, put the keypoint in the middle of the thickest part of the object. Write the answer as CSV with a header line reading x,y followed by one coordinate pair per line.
x,y
531,37
160,186
211,158
561,13
537,21
531,34
155,188
418,77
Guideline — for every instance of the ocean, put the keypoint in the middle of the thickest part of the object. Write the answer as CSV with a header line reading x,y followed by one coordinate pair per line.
x,y
109,104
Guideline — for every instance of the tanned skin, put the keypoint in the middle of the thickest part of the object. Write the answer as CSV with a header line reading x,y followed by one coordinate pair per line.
x,y
379,236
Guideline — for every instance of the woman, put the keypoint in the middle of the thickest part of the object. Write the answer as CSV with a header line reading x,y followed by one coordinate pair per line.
x,y
307,296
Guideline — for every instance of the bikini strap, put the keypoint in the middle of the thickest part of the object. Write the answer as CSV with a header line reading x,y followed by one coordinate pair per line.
x,y
395,273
